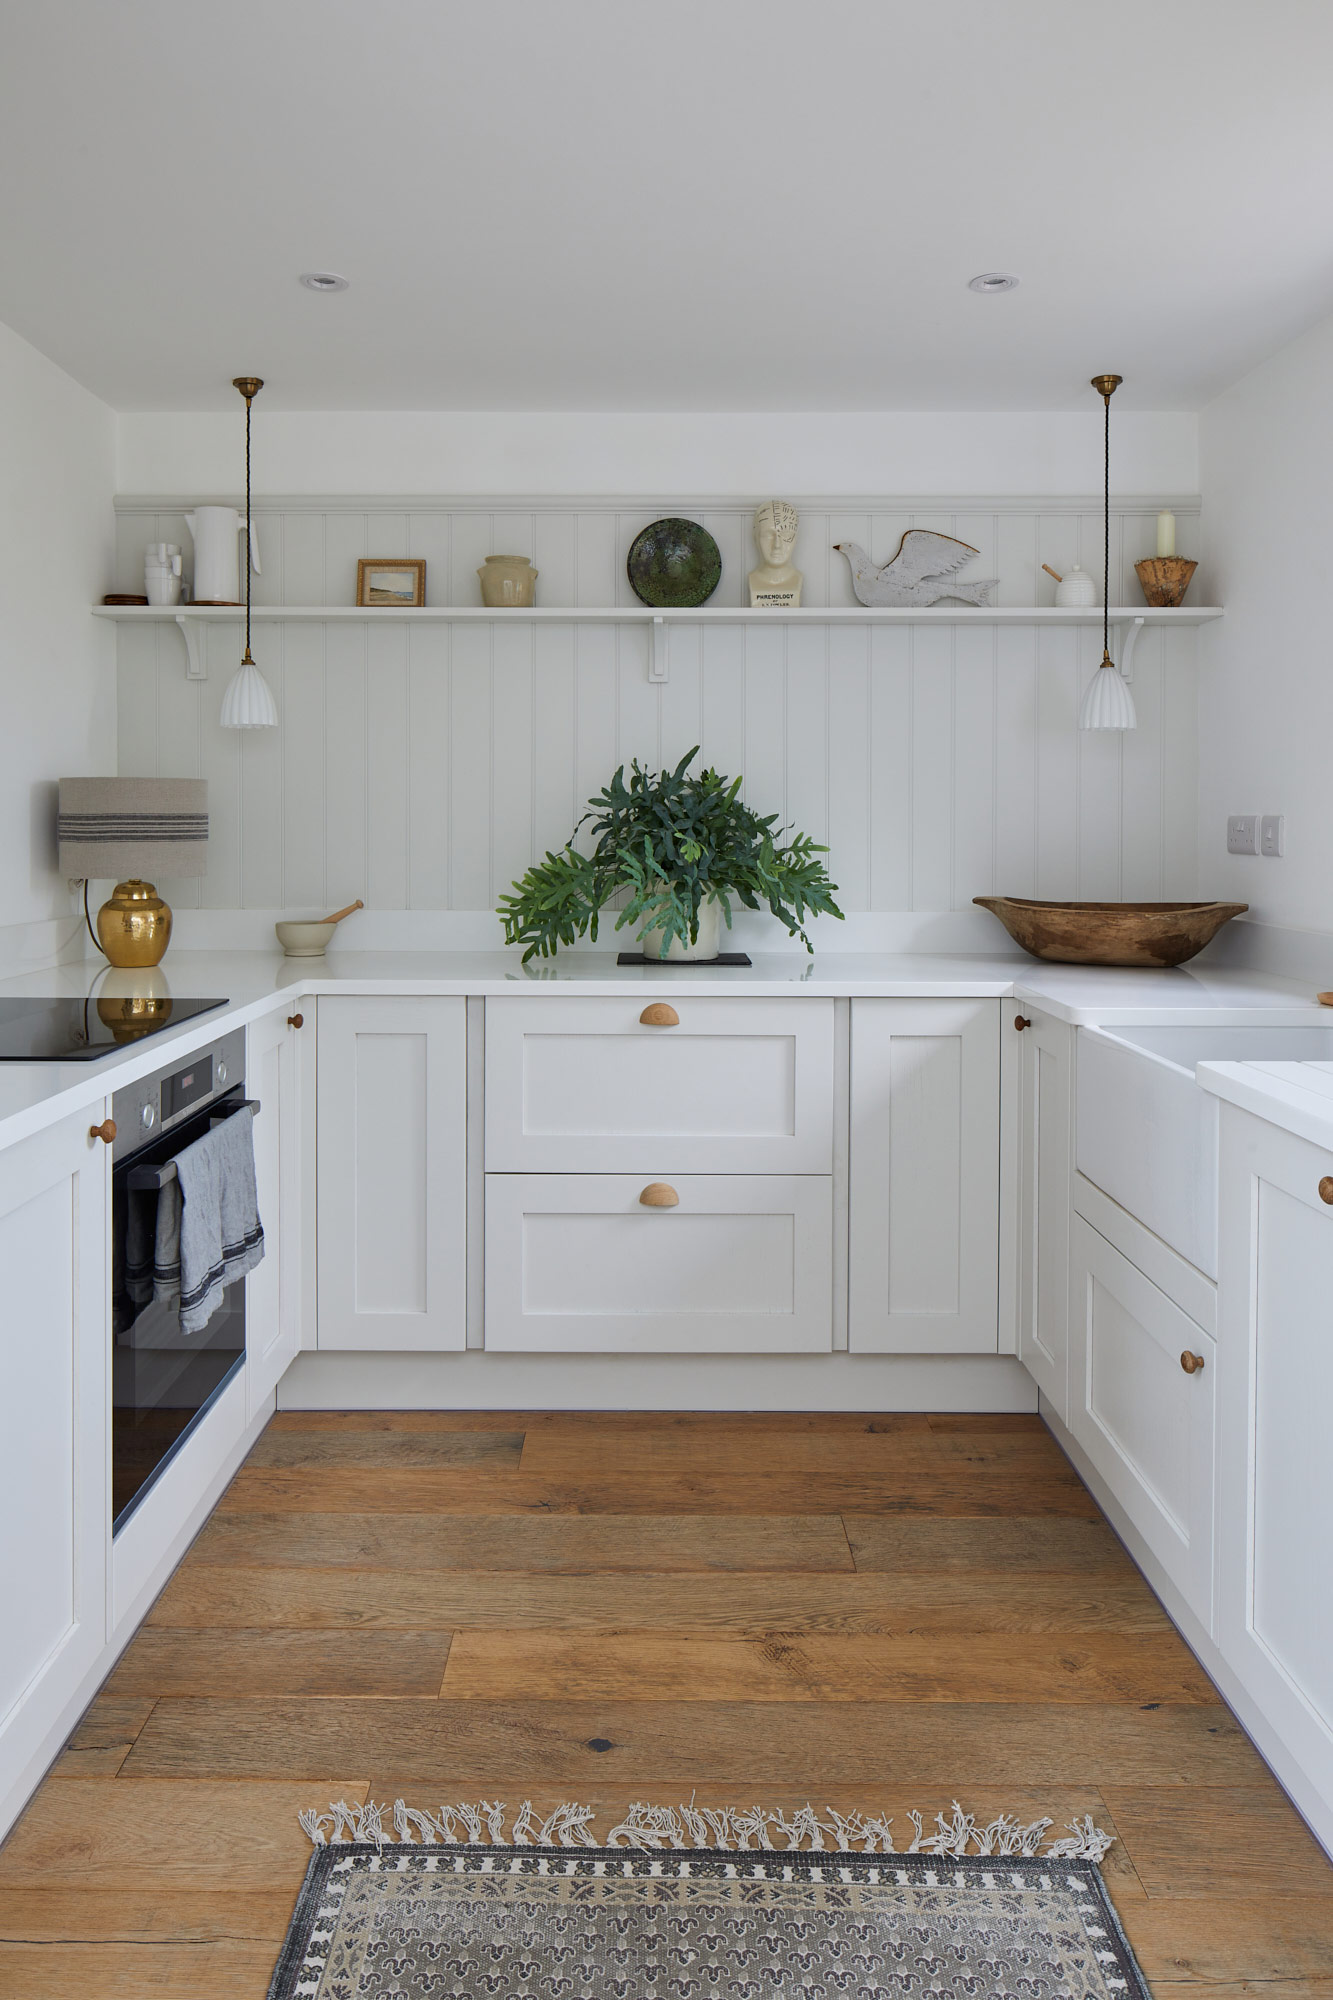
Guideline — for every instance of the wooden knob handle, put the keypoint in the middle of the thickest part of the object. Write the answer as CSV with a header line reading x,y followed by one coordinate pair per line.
x,y
106,1131
1021,1021
1191,1363
1326,1188
296,1020
659,1194
660,1015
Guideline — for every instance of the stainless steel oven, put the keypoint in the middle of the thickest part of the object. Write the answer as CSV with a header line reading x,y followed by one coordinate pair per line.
x,y
162,1380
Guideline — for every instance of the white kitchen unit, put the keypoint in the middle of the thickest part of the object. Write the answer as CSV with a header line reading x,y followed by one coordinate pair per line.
x,y
391,1172
273,1289
680,1085
54,1426
1045,1114
1142,1397
924,1177
704,1263
1275,1394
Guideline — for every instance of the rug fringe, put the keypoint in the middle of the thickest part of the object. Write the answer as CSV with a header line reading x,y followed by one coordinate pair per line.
x,y
654,1828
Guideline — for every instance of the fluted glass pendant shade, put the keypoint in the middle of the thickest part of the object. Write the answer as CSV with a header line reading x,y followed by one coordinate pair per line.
x,y
1107,702
248,702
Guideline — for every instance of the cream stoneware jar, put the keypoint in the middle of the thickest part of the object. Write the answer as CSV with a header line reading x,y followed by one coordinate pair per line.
x,y
507,582
710,934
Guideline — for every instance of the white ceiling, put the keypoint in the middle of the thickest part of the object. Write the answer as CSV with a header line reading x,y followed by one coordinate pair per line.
x,y
664,204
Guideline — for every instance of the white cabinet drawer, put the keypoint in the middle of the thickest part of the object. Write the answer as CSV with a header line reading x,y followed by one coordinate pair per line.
x,y
576,1264
589,1085
1144,1422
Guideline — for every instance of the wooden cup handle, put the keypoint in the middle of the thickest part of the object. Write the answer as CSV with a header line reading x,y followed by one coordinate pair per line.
x,y
1191,1363
661,1014
1326,1188
106,1131
659,1194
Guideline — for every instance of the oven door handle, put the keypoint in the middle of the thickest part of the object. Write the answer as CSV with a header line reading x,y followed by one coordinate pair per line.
x,y
147,1180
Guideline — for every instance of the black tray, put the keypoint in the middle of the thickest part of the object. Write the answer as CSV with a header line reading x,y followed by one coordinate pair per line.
x,y
723,958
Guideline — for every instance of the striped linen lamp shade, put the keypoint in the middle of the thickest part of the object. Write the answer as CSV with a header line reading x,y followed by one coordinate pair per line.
x,y
110,828
132,830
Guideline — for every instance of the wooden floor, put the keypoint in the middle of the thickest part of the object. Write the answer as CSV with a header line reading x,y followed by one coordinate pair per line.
x,y
891,1612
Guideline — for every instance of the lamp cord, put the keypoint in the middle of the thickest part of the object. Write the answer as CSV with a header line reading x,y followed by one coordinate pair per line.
x,y
88,919
1105,529
251,531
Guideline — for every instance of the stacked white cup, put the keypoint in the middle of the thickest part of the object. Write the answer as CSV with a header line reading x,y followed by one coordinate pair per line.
x,y
162,573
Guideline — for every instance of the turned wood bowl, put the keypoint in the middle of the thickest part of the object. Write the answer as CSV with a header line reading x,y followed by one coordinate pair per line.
x,y
1165,579
1111,933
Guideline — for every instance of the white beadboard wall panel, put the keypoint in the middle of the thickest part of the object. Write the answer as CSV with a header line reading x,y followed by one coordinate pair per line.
x,y
424,767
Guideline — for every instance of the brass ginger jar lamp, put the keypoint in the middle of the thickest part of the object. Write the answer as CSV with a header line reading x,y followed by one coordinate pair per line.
x,y
131,830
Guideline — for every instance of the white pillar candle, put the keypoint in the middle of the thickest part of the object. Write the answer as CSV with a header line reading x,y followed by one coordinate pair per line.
x,y
1166,533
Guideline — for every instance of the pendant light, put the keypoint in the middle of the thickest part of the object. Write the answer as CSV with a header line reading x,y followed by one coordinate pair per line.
x,y
248,702
1108,703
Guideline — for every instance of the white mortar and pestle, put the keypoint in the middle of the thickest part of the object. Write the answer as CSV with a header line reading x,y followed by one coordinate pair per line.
x,y
311,940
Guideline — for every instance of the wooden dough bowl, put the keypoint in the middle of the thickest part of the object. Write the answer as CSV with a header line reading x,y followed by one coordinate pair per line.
x,y
1111,933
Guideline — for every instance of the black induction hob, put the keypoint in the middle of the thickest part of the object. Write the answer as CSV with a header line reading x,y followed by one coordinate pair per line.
x,y
41,1029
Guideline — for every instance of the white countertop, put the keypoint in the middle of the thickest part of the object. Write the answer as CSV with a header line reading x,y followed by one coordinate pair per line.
x,y
1297,1096
33,1095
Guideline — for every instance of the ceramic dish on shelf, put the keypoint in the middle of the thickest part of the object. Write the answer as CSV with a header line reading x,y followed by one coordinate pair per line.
x,y
674,565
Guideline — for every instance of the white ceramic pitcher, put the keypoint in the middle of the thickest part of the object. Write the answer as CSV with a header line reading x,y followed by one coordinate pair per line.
x,y
217,577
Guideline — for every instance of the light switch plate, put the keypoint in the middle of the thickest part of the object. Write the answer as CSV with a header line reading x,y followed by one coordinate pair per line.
x,y
1272,835
1242,829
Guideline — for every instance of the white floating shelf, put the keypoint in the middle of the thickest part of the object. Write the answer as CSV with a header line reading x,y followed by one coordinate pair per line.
x,y
642,614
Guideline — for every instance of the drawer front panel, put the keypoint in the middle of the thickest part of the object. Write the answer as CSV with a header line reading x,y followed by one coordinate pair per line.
x,y
740,1264
1144,1422
733,1086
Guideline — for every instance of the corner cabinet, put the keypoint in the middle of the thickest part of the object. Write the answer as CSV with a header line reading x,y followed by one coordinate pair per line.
x,y
924,1177
1045,1124
54,1473
1275,1392
391,1173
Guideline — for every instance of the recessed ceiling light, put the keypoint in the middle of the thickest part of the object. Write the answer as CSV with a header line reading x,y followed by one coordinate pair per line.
x,y
992,281
323,281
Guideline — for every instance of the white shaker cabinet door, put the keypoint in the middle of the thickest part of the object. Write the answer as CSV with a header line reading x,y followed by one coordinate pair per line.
x,y
1275,1386
924,1177
273,1294
1142,1399
1044,1199
54,1425
391,1172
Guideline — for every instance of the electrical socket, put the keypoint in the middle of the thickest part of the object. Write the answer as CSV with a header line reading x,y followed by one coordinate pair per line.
x,y
1242,829
1272,835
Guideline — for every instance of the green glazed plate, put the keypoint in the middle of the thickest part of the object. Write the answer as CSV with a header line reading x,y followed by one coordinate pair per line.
x,y
674,564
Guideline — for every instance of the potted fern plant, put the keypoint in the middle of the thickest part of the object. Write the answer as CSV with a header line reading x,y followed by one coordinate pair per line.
x,y
681,845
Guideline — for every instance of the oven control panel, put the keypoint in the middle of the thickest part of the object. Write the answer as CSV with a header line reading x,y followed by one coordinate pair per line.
x,y
155,1103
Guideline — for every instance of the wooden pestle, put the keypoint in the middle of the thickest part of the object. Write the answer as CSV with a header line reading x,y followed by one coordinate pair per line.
x,y
338,915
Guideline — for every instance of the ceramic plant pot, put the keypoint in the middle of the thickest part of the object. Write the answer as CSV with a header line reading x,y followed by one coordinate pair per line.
x,y
707,947
508,583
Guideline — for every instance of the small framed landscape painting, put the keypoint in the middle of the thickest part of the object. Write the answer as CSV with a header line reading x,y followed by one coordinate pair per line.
x,y
391,580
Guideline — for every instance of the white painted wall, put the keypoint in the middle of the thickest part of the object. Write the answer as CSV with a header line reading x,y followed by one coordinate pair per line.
x,y
1266,669
57,664
580,452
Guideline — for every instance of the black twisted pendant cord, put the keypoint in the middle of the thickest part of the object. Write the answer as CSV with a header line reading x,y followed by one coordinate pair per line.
x,y
1105,529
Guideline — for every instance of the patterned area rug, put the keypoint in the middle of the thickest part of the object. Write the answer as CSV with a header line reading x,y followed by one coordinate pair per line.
x,y
639,1919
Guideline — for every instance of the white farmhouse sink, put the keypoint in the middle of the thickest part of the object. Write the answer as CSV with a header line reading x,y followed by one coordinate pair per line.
x,y
1147,1135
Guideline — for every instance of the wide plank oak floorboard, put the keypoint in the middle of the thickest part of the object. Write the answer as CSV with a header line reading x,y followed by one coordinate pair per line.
x,y
875,1613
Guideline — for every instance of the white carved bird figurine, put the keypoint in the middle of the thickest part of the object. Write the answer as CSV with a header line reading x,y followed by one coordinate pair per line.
x,y
920,573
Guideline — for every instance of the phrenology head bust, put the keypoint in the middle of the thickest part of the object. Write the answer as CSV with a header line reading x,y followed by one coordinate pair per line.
x,y
775,525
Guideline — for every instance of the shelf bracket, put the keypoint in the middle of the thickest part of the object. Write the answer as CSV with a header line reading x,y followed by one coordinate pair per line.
x,y
1129,638
659,667
196,666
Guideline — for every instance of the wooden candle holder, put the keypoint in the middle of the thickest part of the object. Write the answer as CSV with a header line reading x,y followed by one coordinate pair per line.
x,y
1164,579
